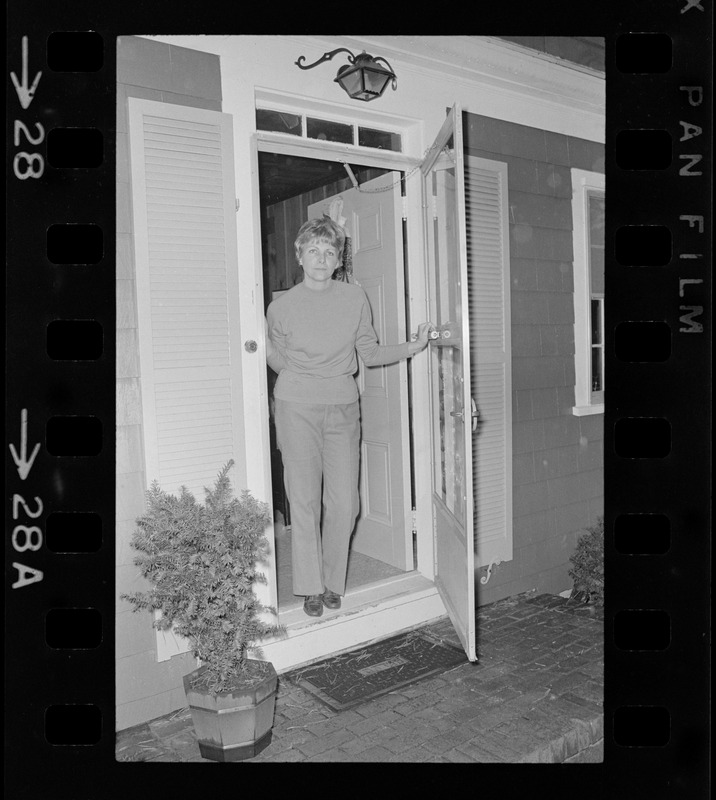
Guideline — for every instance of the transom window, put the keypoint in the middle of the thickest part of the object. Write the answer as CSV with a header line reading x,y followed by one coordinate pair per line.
x,y
327,130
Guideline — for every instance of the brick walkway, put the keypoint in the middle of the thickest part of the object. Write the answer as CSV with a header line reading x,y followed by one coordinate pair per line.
x,y
535,695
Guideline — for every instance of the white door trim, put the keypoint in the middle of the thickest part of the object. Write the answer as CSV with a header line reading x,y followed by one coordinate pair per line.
x,y
372,612
333,151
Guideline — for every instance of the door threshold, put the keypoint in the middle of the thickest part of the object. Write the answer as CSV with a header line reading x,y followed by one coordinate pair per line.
x,y
368,613
356,599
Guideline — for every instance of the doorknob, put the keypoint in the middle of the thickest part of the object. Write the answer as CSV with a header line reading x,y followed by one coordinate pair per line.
x,y
441,333
250,346
447,334
438,333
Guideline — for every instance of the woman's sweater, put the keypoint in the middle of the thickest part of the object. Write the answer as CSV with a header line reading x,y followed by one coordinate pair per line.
x,y
316,335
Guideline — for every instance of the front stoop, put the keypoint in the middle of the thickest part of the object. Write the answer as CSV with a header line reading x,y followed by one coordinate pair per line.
x,y
584,742
592,755
534,696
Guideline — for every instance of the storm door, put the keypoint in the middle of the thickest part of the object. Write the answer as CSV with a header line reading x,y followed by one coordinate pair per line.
x,y
452,411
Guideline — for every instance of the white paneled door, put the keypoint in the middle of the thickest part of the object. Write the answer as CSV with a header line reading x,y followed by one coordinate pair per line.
x,y
373,222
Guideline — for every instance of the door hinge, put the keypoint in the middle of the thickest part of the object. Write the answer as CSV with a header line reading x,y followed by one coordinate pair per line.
x,y
414,520
404,198
435,206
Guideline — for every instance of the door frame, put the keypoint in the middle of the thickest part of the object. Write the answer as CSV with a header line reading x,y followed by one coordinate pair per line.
x,y
408,600
416,301
266,142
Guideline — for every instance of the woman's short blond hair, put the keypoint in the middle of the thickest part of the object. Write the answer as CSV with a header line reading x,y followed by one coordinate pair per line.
x,y
323,228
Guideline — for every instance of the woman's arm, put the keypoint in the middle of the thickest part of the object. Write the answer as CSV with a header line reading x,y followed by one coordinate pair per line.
x,y
274,357
372,354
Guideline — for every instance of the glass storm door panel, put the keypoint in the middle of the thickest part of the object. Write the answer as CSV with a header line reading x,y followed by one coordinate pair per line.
x,y
449,358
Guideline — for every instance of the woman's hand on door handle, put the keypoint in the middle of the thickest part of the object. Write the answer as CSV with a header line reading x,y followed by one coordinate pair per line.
x,y
419,341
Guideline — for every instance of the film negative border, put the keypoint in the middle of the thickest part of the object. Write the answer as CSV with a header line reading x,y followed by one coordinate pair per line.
x,y
59,426
659,378
60,414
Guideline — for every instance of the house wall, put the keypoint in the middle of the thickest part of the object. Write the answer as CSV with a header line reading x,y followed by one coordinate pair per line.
x,y
482,74
156,71
557,457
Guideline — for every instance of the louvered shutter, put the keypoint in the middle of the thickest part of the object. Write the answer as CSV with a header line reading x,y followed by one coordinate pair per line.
x,y
187,292
490,373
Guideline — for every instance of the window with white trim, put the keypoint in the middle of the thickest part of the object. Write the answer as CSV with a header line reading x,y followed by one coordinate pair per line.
x,y
588,217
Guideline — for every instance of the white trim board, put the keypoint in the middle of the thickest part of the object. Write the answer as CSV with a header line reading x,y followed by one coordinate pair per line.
x,y
487,75
515,84
372,612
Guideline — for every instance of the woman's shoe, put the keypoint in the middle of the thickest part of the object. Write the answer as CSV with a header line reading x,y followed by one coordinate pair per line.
x,y
331,599
313,605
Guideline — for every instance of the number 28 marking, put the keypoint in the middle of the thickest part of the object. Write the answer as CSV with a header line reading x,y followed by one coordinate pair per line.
x,y
29,159
21,127
17,499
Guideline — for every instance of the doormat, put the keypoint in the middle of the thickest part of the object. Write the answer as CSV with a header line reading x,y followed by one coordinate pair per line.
x,y
353,678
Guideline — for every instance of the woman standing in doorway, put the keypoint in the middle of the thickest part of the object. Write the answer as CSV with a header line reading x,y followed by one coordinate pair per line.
x,y
314,331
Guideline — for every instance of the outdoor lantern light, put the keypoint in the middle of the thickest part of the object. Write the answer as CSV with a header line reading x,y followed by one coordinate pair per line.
x,y
363,78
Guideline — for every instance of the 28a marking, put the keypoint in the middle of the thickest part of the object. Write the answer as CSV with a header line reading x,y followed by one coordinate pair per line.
x,y
25,537
32,538
26,575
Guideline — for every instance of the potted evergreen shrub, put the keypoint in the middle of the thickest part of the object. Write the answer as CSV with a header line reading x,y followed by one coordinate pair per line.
x,y
588,567
202,563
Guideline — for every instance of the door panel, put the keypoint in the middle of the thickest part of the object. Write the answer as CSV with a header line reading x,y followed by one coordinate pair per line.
x,y
373,221
372,382
449,374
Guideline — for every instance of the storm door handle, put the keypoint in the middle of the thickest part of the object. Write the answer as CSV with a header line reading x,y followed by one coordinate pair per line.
x,y
475,414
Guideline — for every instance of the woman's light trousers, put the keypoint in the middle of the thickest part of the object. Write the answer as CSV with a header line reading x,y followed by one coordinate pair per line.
x,y
320,446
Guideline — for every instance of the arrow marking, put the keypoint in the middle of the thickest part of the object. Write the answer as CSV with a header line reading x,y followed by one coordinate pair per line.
x,y
24,465
25,95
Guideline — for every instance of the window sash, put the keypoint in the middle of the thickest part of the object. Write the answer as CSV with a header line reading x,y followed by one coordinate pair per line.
x,y
597,347
307,126
587,203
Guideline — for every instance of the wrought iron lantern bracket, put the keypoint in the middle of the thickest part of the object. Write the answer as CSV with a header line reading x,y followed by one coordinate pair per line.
x,y
363,78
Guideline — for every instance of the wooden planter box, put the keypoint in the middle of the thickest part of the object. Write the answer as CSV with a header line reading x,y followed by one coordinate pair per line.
x,y
234,725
